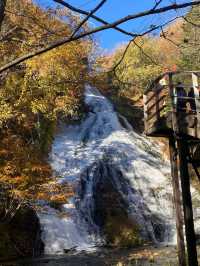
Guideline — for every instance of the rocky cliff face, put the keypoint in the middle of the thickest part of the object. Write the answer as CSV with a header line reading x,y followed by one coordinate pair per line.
x,y
109,209
107,200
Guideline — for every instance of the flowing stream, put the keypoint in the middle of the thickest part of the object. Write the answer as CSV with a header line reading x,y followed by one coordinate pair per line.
x,y
104,147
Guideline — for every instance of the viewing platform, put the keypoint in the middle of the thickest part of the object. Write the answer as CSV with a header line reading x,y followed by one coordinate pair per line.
x,y
172,105
172,110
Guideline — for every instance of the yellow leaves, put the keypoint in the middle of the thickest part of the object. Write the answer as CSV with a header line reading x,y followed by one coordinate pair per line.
x,y
36,86
54,192
34,94
62,199
6,112
60,62
40,106
24,170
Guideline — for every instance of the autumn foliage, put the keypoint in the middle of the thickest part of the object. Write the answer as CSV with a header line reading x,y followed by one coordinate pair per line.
x,y
36,94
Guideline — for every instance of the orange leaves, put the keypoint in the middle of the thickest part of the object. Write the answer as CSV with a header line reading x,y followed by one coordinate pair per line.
x,y
62,72
34,95
54,193
25,171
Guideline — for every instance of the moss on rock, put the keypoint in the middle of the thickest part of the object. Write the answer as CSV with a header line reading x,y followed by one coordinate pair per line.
x,y
110,208
121,231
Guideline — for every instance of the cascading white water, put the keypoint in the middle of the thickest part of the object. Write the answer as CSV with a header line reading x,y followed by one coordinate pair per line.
x,y
144,182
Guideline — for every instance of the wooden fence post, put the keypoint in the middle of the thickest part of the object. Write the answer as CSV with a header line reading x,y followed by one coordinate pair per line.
x,y
197,100
187,203
145,111
177,201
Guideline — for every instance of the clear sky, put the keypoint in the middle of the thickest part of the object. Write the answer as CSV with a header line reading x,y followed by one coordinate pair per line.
x,y
115,9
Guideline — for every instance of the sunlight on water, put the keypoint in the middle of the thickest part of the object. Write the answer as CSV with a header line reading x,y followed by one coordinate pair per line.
x,y
146,187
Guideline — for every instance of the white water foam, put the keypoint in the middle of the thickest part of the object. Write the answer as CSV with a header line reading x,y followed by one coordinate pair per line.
x,y
98,137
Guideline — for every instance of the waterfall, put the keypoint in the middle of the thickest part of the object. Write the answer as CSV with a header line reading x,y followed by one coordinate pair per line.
x,y
98,150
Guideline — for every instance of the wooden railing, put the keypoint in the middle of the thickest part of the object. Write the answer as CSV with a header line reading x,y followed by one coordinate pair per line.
x,y
161,102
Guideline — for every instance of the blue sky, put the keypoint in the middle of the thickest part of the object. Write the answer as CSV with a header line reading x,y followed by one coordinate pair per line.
x,y
115,9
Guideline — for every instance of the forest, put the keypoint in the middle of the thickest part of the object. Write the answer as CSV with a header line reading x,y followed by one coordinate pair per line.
x,y
58,135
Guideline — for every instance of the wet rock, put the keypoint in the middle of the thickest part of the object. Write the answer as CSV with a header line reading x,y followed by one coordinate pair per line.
x,y
20,236
69,250
109,209
104,201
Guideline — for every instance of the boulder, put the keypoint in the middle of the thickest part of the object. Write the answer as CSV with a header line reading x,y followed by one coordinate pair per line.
x,y
20,236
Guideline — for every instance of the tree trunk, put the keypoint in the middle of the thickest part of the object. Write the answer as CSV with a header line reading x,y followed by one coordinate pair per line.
x,y
2,10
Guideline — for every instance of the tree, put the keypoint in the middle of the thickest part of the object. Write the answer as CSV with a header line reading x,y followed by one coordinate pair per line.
x,y
154,10
191,38
2,9
37,93
34,93
137,68
145,58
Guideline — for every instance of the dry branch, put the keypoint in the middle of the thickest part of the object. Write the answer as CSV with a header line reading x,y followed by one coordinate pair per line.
x,y
83,12
88,17
98,29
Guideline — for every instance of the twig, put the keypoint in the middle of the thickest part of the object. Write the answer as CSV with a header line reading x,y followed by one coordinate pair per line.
x,y
191,22
51,32
145,54
97,29
157,4
83,12
87,17
141,35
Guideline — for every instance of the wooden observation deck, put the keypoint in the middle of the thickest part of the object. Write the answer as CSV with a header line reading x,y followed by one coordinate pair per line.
x,y
162,115
172,110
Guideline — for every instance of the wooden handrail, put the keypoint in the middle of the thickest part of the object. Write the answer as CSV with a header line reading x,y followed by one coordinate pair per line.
x,y
156,113
154,94
162,117
154,104
152,85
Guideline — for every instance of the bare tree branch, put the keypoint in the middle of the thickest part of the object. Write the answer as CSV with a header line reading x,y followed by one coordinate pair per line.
x,y
6,35
141,35
144,14
34,19
157,3
144,53
83,12
164,36
88,16
123,56
98,29
191,22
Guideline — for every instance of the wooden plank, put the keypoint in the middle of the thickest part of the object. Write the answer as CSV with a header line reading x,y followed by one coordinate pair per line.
x,y
145,112
154,94
154,104
177,201
173,113
187,203
156,114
